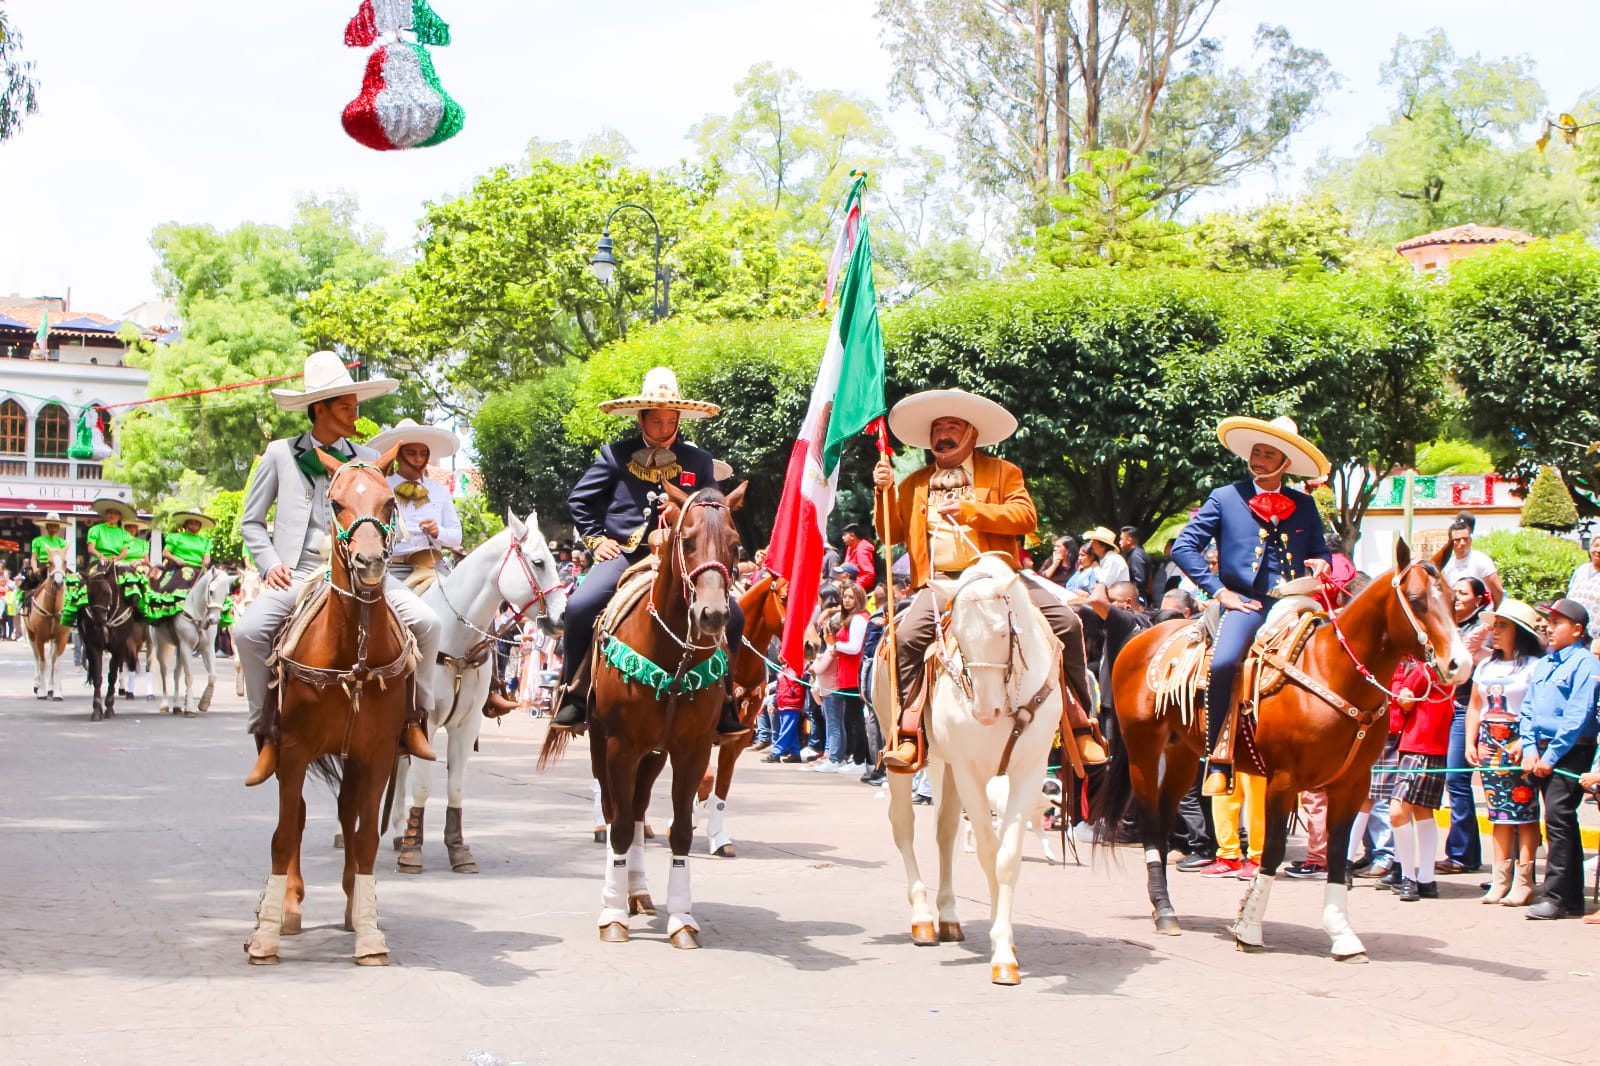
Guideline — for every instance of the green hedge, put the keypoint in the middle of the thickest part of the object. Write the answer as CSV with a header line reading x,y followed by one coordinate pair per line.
x,y
1534,566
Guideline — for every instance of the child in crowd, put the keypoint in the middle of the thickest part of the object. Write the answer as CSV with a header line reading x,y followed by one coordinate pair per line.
x,y
1426,708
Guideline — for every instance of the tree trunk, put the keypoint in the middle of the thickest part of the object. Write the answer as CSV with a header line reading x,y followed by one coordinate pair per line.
x,y
1041,101
1089,73
1063,97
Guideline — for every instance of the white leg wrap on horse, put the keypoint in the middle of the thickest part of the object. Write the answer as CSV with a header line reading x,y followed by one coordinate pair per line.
x,y
1253,910
1336,922
680,902
364,916
599,809
269,917
636,878
716,833
614,894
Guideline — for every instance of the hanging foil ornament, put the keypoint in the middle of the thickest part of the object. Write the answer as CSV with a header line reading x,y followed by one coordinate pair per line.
x,y
401,103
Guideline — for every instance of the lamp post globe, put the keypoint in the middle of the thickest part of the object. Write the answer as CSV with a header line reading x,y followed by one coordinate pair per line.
x,y
603,263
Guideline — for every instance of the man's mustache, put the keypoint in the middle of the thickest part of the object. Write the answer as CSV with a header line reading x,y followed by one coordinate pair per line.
x,y
944,443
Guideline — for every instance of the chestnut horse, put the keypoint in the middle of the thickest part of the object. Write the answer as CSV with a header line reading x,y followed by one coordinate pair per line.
x,y
46,635
1307,741
762,604
657,693
344,687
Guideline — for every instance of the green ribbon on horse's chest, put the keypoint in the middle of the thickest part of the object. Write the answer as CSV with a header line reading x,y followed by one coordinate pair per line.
x,y
636,667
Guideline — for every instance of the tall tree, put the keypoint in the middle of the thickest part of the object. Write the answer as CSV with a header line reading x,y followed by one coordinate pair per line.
x,y
1109,216
19,89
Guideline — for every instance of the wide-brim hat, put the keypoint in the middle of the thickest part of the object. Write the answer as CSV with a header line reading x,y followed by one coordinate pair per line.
x,y
111,503
1240,434
1519,613
440,442
660,391
912,418
52,519
1101,534
205,520
324,377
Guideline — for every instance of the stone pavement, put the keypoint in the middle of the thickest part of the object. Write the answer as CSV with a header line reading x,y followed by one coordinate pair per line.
x,y
133,858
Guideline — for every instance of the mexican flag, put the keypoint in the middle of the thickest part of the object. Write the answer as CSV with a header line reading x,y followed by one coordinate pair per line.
x,y
847,400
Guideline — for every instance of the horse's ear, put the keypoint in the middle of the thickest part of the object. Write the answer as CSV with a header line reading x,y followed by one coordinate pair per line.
x,y
1402,554
389,459
329,463
736,497
675,494
516,525
532,521
1441,556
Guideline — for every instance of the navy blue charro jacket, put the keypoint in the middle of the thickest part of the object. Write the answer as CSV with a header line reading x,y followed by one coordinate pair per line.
x,y
610,499
1252,555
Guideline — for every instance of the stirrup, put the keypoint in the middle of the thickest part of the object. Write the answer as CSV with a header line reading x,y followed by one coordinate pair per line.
x,y
571,714
1219,780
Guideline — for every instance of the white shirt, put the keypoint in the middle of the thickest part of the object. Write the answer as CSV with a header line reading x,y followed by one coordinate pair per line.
x,y
439,507
1111,569
1476,564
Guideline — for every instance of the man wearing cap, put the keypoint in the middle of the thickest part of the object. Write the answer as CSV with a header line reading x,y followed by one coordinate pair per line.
x,y
1557,729
1265,534
860,552
614,514
427,513
965,503
43,544
291,477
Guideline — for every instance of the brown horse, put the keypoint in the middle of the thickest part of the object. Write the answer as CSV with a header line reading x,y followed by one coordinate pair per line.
x,y
344,686
1306,741
762,604
657,692
109,625
46,635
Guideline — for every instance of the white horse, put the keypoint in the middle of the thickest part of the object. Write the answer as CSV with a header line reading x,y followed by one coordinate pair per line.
x,y
46,635
996,700
175,640
514,566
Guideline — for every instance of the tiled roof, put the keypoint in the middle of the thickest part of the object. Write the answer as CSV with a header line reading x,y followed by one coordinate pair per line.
x,y
26,316
1471,233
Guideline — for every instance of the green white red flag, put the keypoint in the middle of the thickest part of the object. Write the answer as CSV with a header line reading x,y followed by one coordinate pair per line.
x,y
847,399
41,339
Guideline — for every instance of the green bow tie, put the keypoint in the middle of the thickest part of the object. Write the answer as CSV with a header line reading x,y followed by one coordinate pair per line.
x,y
312,467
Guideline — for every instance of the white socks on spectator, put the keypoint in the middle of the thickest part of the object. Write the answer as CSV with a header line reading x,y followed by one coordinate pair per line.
x,y
1358,836
1427,847
1405,849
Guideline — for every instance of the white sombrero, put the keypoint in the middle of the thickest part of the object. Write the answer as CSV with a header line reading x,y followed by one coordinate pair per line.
x,y
109,503
325,376
52,519
1103,535
179,519
660,391
912,418
440,441
1239,435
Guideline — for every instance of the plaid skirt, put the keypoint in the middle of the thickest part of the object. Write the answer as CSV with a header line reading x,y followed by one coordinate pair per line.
x,y
1420,790
1383,770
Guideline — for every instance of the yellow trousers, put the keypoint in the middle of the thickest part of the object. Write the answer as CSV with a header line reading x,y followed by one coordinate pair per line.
x,y
1249,797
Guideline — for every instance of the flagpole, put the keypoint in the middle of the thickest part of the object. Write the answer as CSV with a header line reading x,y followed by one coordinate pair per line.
x,y
886,496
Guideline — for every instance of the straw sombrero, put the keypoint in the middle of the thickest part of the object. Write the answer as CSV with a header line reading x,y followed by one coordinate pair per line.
x,y
1239,435
660,391
325,376
111,503
1517,612
912,418
1103,535
440,441
52,519
205,520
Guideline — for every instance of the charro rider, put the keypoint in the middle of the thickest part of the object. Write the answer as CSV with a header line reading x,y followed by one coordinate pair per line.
x,y
427,513
294,548
39,557
964,503
1265,534
614,515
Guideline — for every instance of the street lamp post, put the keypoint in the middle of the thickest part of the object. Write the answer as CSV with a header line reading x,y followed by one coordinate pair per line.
x,y
604,263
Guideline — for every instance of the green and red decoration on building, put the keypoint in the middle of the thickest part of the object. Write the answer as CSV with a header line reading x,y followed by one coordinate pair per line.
x,y
401,103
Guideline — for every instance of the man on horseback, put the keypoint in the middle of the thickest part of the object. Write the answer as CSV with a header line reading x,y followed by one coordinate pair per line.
x,y
1265,534
294,548
948,513
614,513
427,513
50,540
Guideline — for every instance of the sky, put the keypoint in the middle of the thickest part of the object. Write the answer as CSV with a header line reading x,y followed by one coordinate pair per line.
x,y
223,112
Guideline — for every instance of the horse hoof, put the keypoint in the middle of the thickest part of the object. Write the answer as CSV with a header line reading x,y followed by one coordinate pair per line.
x,y
409,862
1004,973
641,903
468,867
292,924
338,841
950,933
649,834
262,960
615,933
1167,925
923,936
190,714
1358,959
56,699
724,852
96,716
1247,947
599,836
686,939
380,959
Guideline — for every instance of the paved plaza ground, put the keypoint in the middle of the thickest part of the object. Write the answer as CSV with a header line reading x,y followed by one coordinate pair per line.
x,y
133,856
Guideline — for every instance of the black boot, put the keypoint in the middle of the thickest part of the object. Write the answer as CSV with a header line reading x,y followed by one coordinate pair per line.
x,y
573,713
729,725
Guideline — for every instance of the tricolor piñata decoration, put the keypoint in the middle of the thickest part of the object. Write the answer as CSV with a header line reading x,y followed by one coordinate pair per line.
x,y
401,104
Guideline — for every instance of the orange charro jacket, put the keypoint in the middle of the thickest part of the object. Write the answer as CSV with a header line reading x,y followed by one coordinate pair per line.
x,y
1001,512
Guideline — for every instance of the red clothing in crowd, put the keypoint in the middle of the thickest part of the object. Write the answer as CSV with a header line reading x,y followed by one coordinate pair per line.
x,y
847,646
863,553
1425,726
791,694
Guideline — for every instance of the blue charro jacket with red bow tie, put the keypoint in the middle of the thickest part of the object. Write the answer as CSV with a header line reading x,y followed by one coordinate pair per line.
x,y
1252,555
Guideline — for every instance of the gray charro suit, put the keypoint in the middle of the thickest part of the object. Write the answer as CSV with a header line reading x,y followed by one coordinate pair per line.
x,y
298,539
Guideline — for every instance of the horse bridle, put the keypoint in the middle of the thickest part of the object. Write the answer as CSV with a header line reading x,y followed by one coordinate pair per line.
x,y
1014,654
1430,658
342,534
540,593
688,576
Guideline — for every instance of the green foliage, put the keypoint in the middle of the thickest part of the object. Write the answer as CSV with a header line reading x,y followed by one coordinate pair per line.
x,y
226,506
479,519
19,89
1305,236
1549,505
1108,216
528,461
1453,457
1521,329
1534,566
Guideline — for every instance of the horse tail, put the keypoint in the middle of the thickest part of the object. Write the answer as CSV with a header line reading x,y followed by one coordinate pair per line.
x,y
1114,801
554,747
329,769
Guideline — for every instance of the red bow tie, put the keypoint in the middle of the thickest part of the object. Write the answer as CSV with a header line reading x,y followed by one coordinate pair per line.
x,y
1271,506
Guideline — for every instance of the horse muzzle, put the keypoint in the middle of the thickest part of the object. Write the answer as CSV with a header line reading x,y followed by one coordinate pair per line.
x,y
368,568
707,621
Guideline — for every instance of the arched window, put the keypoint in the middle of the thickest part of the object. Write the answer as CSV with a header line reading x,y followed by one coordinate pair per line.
x,y
13,429
52,432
